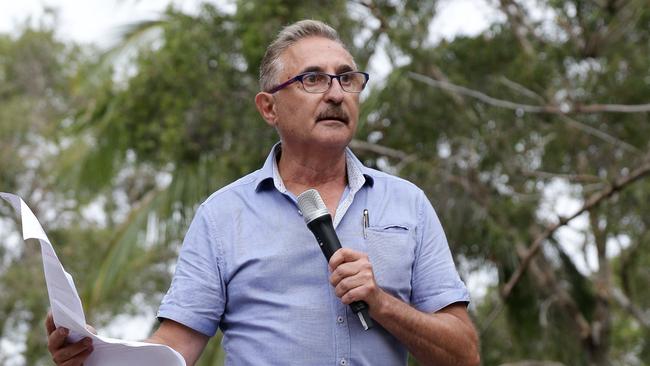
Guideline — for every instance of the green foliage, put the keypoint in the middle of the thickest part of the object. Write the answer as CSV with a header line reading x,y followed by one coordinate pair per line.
x,y
145,144
258,22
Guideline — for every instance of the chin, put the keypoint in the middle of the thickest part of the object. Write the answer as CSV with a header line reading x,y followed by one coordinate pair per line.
x,y
334,130
334,140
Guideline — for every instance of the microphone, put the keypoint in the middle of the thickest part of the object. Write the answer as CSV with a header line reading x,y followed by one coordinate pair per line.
x,y
319,221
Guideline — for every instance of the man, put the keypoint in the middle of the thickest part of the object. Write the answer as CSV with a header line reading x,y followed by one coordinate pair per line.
x,y
250,266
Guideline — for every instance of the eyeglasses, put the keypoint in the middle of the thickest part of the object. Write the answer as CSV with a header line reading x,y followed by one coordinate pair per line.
x,y
320,82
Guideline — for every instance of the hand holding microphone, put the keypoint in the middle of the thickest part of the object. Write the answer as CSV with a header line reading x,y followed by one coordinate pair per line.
x,y
319,221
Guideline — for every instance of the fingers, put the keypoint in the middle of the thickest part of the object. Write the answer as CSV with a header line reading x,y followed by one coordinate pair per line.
x,y
362,293
349,269
79,360
352,276
359,285
73,354
346,262
65,354
56,339
348,284
344,255
49,323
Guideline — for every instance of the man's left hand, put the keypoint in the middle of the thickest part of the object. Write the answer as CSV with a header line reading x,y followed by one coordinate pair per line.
x,y
353,278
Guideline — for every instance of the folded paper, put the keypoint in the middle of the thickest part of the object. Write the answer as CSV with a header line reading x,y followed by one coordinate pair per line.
x,y
68,311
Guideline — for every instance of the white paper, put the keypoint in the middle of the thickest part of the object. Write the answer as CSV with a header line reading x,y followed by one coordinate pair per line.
x,y
68,311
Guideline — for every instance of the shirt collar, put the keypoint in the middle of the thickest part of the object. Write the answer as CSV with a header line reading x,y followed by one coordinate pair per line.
x,y
269,175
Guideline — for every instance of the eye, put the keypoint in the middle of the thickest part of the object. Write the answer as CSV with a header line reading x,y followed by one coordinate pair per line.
x,y
315,78
346,79
309,78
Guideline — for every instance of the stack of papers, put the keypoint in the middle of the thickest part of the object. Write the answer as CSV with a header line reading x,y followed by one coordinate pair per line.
x,y
68,311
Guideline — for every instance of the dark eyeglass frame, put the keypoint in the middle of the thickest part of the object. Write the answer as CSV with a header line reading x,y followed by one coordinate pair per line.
x,y
299,77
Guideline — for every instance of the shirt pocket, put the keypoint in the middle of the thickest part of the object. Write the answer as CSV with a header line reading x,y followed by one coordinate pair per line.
x,y
391,249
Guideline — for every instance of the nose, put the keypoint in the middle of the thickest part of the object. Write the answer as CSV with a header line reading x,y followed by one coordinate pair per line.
x,y
335,92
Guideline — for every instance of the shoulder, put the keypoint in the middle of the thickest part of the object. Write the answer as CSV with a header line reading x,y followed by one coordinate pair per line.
x,y
231,194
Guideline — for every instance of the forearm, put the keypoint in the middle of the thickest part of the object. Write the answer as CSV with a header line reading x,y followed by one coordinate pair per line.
x,y
182,339
444,338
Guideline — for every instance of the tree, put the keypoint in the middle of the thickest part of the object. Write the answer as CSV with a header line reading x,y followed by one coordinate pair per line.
x,y
41,92
488,125
522,106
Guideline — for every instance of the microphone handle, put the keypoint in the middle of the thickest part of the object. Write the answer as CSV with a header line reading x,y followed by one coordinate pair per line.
x,y
323,230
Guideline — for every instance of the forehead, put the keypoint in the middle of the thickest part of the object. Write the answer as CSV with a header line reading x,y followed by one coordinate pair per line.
x,y
316,53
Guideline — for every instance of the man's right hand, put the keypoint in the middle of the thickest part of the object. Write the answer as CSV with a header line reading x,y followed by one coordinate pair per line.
x,y
65,353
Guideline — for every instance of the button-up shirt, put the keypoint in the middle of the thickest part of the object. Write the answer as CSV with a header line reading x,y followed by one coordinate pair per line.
x,y
250,267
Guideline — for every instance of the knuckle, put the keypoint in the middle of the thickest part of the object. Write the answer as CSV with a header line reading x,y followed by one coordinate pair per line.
x,y
333,275
336,275
372,286
355,295
343,286
57,358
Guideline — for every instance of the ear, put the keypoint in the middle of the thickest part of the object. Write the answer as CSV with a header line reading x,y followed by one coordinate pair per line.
x,y
265,104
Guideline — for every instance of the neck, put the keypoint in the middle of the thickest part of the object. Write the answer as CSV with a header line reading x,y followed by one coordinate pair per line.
x,y
314,169
324,171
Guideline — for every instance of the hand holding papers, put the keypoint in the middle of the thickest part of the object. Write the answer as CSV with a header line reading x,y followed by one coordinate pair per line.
x,y
68,311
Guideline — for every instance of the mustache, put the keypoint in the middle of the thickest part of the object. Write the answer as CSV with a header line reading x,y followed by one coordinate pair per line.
x,y
333,112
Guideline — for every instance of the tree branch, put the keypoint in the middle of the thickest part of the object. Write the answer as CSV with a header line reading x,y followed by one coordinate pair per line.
x,y
582,178
384,151
529,108
624,302
379,149
550,109
445,85
572,122
612,108
376,12
521,89
517,20
545,279
591,203
598,133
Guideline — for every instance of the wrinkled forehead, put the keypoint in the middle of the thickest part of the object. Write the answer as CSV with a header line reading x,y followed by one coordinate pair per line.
x,y
315,54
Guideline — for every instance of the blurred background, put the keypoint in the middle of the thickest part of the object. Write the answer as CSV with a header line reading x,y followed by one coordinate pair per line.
x,y
525,122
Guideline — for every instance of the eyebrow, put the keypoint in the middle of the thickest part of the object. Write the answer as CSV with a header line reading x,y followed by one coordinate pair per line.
x,y
339,69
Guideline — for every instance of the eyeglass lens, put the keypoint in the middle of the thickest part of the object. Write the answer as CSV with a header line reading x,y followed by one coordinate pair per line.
x,y
318,82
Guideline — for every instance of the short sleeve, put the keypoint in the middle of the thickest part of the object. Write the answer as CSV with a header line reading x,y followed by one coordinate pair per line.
x,y
435,280
196,297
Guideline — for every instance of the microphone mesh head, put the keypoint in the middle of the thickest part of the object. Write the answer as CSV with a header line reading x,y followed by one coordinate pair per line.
x,y
311,205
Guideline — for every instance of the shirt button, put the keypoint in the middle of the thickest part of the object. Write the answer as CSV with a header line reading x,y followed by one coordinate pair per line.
x,y
339,319
343,362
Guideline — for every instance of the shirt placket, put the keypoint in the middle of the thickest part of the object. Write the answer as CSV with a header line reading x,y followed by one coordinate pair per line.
x,y
342,332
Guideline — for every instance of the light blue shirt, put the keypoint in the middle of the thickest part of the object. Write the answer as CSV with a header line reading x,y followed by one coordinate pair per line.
x,y
250,266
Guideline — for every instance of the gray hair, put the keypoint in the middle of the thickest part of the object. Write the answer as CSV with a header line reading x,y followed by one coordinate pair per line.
x,y
289,35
